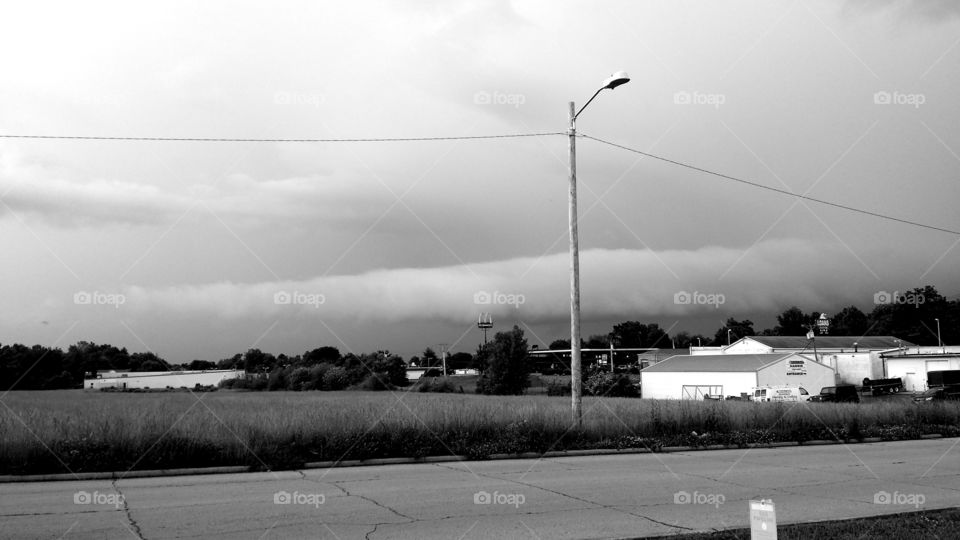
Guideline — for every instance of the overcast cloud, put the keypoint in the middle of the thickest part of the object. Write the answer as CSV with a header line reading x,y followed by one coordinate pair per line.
x,y
385,245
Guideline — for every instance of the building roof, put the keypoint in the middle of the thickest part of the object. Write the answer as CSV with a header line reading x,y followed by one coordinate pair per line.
x,y
832,342
716,362
663,353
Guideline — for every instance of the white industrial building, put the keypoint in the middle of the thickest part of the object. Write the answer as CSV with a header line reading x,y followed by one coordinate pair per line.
x,y
693,376
154,380
853,357
913,363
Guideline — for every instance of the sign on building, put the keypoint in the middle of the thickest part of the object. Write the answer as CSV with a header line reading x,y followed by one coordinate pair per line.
x,y
796,366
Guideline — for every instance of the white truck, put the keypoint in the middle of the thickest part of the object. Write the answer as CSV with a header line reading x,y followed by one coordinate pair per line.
x,y
779,393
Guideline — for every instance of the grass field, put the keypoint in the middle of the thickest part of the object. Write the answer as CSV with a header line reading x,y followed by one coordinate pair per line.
x,y
73,430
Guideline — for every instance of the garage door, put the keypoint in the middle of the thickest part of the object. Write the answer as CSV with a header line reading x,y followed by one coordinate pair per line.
x,y
697,392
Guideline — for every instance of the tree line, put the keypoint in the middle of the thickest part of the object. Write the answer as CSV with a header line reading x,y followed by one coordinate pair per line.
x,y
909,316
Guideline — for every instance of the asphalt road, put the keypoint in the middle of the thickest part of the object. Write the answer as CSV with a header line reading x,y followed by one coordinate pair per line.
x,y
610,496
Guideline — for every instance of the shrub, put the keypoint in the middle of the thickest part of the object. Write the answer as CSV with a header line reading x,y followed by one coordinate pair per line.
x,y
604,383
441,385
299,379
336,378
375,381
506,369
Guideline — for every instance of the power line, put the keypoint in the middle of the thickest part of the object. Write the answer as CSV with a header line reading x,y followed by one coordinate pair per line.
x,y
481,137
769,188
231,139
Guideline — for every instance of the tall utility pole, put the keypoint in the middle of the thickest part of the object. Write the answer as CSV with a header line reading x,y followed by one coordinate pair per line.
x,y
939,341
443,356
611,356
576,384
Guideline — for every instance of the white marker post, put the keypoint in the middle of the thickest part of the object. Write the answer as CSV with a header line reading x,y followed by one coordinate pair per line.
x,y
763,520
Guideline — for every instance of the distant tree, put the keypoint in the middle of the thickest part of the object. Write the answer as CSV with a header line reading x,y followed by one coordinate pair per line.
x,y
429,358
234,362
598,341
201,364
507,366
460,360
633,334
738,329
255,360
390,369
793,322
681,340
336,378
911,317
299,379
559,344
320,355
849,321
277,380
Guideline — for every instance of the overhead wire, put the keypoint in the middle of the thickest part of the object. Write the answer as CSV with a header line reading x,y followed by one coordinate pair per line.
x,y
495,136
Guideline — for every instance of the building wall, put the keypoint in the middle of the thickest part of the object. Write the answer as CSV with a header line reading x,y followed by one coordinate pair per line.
x,y
784,373
669,384
852,368
160,380
747,346
699,351
913,371
414,374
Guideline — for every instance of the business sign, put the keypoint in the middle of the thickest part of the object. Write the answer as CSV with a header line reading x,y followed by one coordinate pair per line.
x,y
763,520
796,366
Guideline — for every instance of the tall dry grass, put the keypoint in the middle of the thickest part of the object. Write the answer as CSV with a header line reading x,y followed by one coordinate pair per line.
x,y
63,431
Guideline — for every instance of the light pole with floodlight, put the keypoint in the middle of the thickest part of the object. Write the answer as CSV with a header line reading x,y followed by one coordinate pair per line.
x,y
576,384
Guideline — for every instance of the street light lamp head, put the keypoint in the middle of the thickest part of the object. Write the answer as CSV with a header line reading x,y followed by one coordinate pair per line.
x,y
616,80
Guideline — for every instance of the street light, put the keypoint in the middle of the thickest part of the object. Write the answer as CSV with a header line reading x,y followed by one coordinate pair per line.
x,y
576,385
728,337
939,341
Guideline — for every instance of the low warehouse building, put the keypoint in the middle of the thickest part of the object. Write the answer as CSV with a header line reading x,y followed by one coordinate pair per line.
x,y
693,376
854,357
159,380
911,365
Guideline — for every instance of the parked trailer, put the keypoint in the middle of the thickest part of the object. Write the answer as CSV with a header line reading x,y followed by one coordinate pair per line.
x,y
882,386
946,377
941,385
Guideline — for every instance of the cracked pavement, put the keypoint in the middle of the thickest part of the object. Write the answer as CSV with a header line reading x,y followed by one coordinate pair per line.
x,y
608,496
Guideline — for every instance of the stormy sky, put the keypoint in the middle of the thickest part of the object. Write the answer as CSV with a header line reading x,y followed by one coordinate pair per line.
x,y
204,249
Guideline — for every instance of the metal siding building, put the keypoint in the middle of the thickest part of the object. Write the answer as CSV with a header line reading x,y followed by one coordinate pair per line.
x,y
159,379
912,365
853,357
692,376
